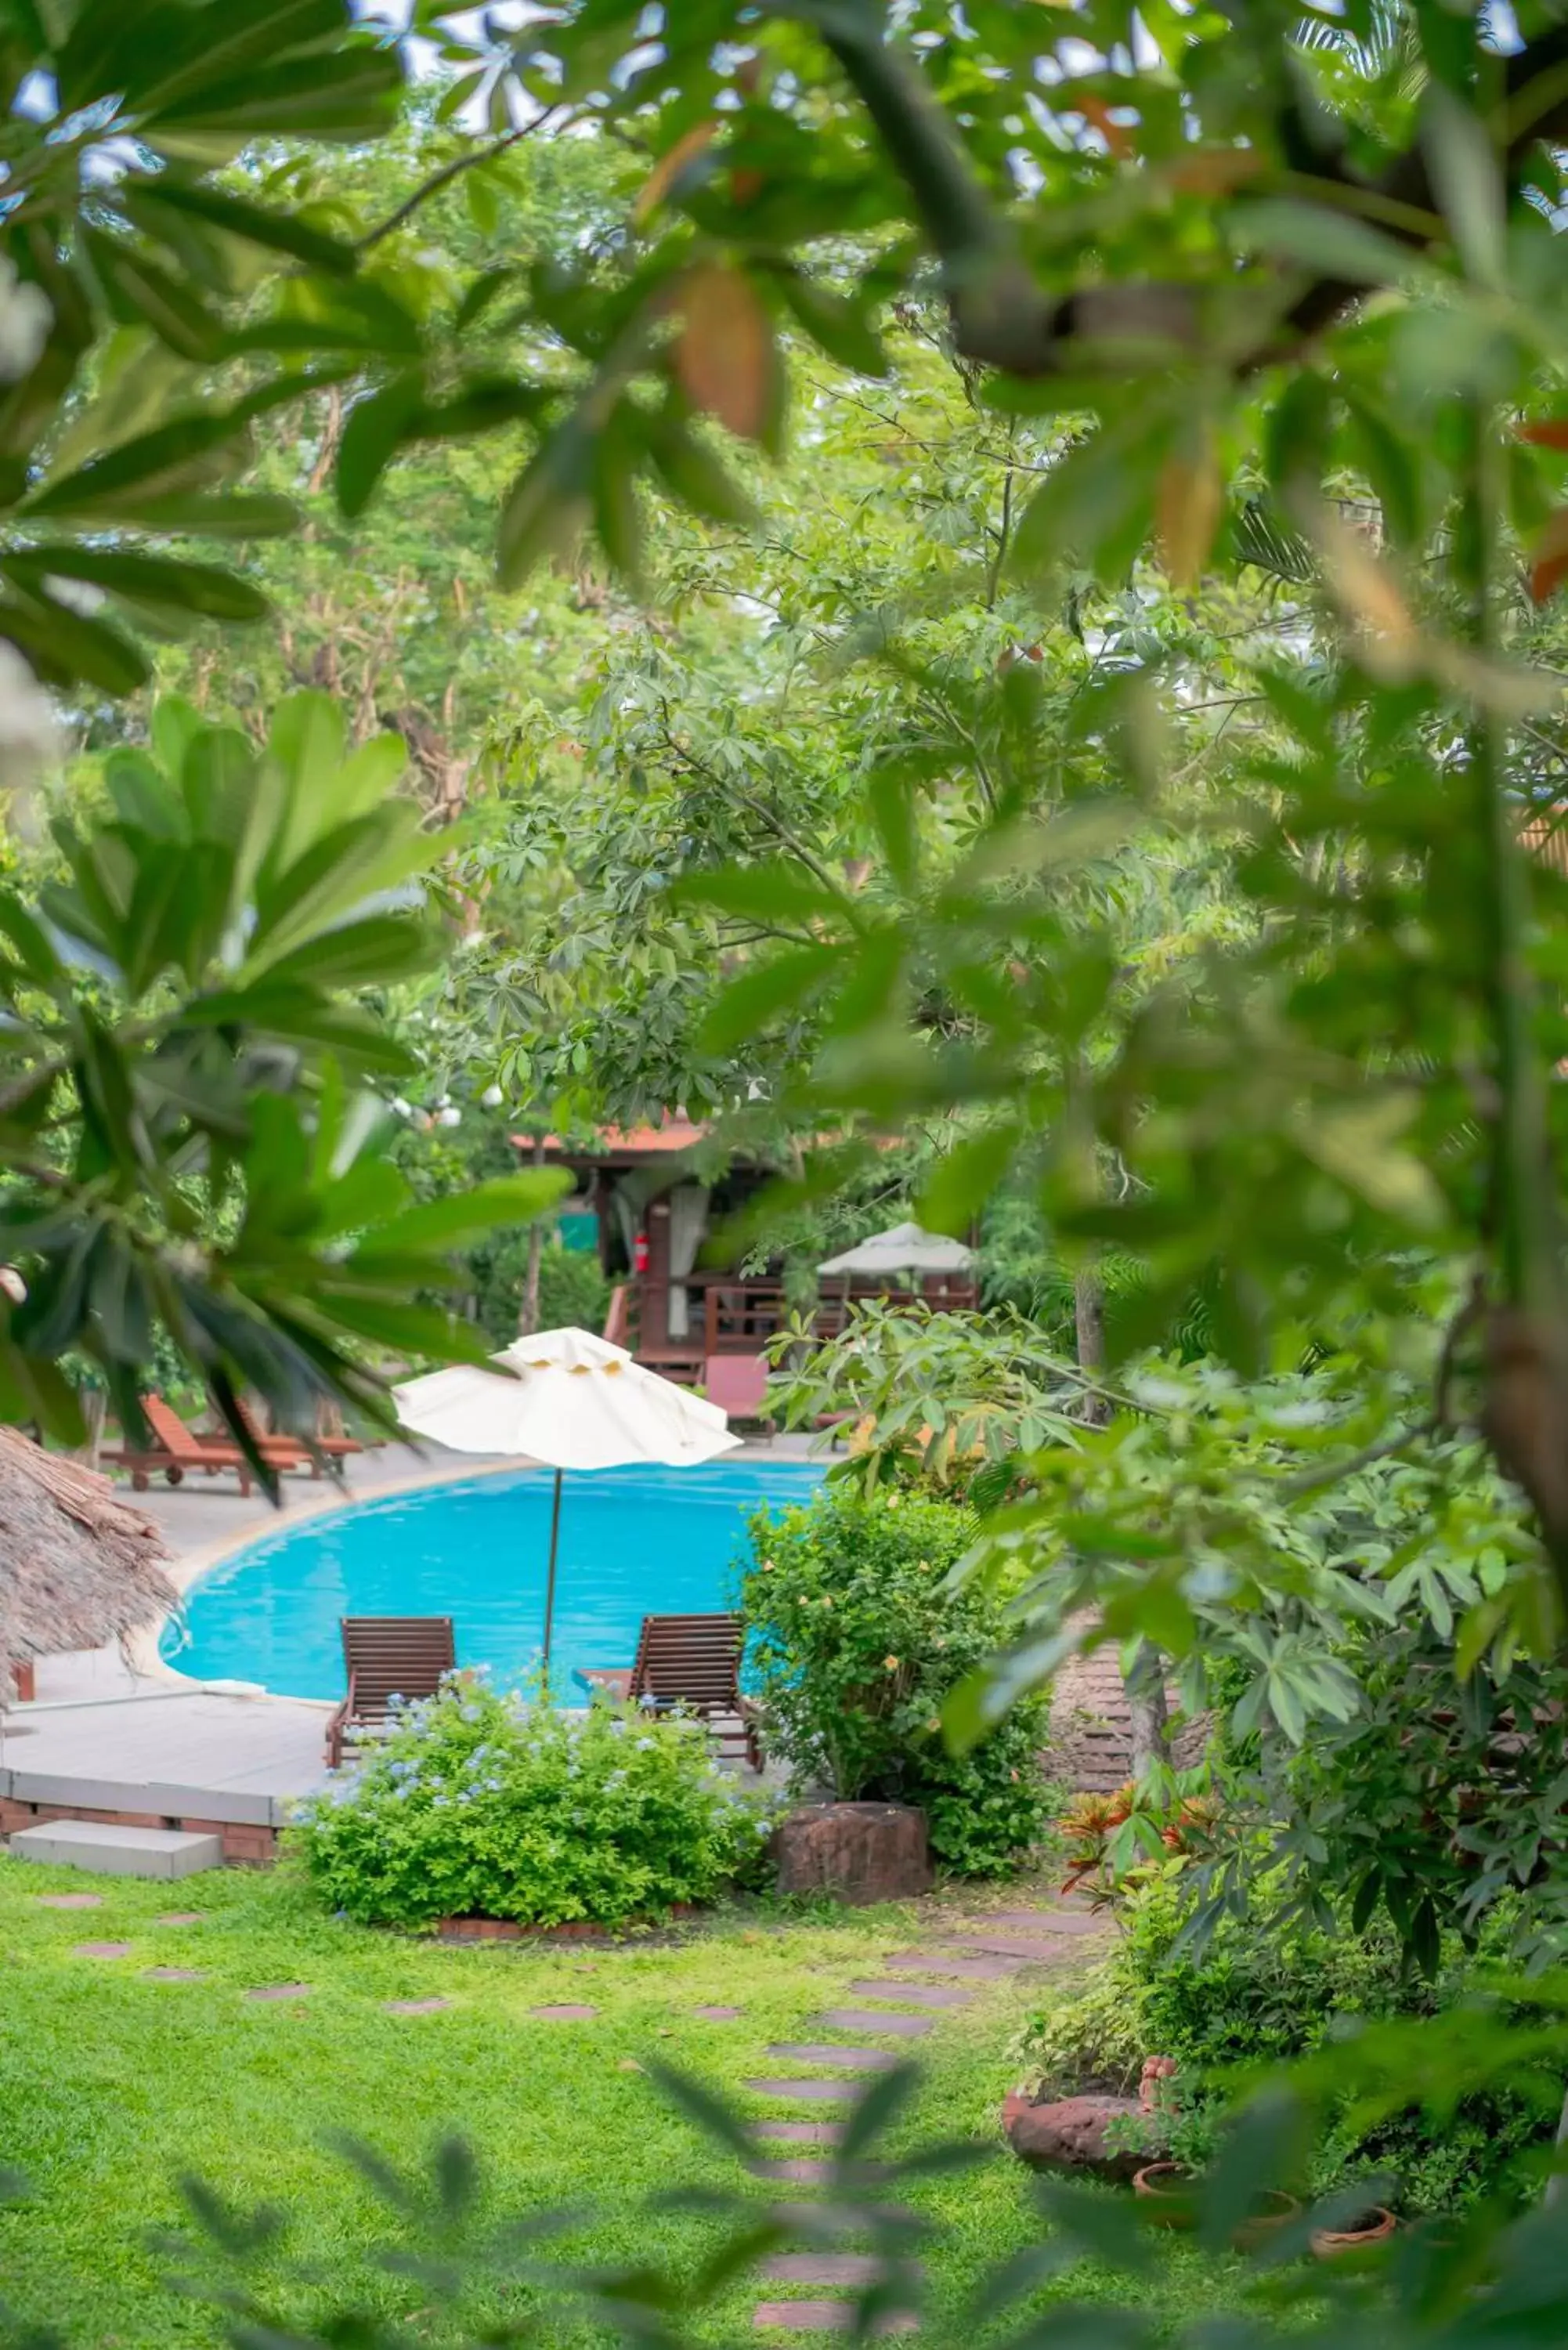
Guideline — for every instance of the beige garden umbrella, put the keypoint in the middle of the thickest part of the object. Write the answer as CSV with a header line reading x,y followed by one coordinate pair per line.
x,y
78,1566
573,1402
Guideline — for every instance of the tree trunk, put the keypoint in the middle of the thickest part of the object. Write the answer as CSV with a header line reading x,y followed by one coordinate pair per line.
x,y
95,1404
1147,1712
1557,2184
528,1321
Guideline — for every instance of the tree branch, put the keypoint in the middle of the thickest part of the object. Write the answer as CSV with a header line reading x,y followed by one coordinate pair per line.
x,y
447,173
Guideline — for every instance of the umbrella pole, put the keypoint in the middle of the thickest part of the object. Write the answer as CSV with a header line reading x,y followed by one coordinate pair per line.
x,y
550,1581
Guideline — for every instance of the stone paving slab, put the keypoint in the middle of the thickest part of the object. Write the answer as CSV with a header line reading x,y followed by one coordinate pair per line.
x,y
175,1974
825,2051
868,2019
807,2171
718,2014
101,1949
1035,1949
179,1917
806,2091
801,2133
1050,1918
946,1962
913,1994
825,2317
280,1991
1061,1925
824,2268
566,2011
68,1900
415,2006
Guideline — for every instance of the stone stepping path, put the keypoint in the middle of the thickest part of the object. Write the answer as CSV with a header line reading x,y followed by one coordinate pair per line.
x,y
808,2172
1051,1921
913,1994
718,2014
802,2132
101,1949
825,2317
824,2268
68,1900
942,1962
868,2019
564,2010
806,2091
823,2052
174,1974
414,2006
182,1917
280,1991
1037,1949
986,1950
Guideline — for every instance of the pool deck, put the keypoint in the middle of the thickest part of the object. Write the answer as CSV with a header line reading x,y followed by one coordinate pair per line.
x,y
134,1739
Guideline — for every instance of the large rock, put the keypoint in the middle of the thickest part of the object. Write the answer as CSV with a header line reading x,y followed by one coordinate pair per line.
x,y
859,1852
1075,2134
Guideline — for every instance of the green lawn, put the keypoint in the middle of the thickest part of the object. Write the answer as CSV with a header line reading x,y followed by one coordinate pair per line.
x,y
111,2086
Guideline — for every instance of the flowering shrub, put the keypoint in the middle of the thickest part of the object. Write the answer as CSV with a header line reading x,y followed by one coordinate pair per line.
x,y
489,1806
854,1641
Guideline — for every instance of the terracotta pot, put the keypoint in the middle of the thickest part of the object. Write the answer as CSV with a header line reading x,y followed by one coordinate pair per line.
x,y
1275,2209
1377,2226
1170,2192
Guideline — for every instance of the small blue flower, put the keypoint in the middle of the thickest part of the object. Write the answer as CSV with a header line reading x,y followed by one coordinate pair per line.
x,y
645,1745
617,1729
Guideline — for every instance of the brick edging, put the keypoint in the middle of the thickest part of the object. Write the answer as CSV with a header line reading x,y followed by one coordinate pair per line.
x,y
245,1843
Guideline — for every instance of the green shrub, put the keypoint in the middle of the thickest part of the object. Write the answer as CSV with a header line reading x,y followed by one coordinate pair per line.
x,y
1260,1991
480,1804
856,1640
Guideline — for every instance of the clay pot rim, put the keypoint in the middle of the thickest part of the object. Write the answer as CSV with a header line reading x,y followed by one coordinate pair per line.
x,y
1328,2241
1181,2180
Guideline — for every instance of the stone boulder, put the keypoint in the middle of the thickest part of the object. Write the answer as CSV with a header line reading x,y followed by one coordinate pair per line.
x,y
857,1852
1076,2134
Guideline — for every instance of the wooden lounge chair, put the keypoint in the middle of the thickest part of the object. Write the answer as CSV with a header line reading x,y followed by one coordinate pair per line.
x,y
738,1384
692,1661
284,1452
387,1656
175,1450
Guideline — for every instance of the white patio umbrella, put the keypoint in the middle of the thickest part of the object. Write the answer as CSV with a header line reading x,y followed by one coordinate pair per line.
x,y
573,1402
904,1248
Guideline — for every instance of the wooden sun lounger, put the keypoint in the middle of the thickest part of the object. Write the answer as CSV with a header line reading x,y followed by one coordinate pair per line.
x,y
694,1661
738,1384
176,1450
387,1656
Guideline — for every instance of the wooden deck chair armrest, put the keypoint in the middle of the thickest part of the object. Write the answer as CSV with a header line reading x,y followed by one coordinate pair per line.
x,y
337,1726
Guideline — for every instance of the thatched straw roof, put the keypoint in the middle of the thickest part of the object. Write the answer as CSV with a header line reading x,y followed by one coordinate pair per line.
x,y
78,1566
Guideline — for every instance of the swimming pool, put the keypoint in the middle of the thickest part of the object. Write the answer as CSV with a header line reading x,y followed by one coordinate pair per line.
x,y
634,1542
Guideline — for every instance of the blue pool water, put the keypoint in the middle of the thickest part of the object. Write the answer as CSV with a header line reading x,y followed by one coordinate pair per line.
x,y
634,1542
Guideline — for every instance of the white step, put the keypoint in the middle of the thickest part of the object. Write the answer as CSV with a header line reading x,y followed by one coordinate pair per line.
x,y
110,1851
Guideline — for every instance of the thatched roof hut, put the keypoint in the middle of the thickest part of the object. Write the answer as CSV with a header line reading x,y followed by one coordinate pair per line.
x,y
78,1566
